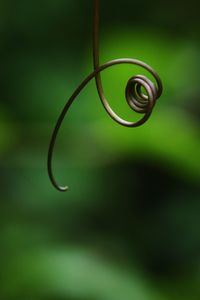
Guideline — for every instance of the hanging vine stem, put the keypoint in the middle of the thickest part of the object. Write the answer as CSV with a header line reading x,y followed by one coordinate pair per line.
x,y
138,101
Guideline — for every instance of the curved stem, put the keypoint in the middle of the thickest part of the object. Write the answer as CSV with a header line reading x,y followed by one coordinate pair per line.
x,y
136,100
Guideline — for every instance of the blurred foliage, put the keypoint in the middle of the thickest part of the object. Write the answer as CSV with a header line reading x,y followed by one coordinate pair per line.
x,y
129,227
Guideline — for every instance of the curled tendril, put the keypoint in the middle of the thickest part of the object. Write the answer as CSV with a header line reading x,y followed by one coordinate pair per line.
x,y
136,99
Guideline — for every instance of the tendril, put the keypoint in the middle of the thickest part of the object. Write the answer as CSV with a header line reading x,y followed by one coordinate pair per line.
x,y
136,99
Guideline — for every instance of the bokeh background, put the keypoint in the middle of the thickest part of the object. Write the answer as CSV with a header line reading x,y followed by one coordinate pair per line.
x,y
129,228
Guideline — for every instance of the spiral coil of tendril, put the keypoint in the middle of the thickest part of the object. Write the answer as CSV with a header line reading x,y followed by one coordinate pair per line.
x,y
138,101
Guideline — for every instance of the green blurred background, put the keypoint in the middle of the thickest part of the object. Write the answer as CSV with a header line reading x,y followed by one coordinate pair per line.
x,y
129,228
